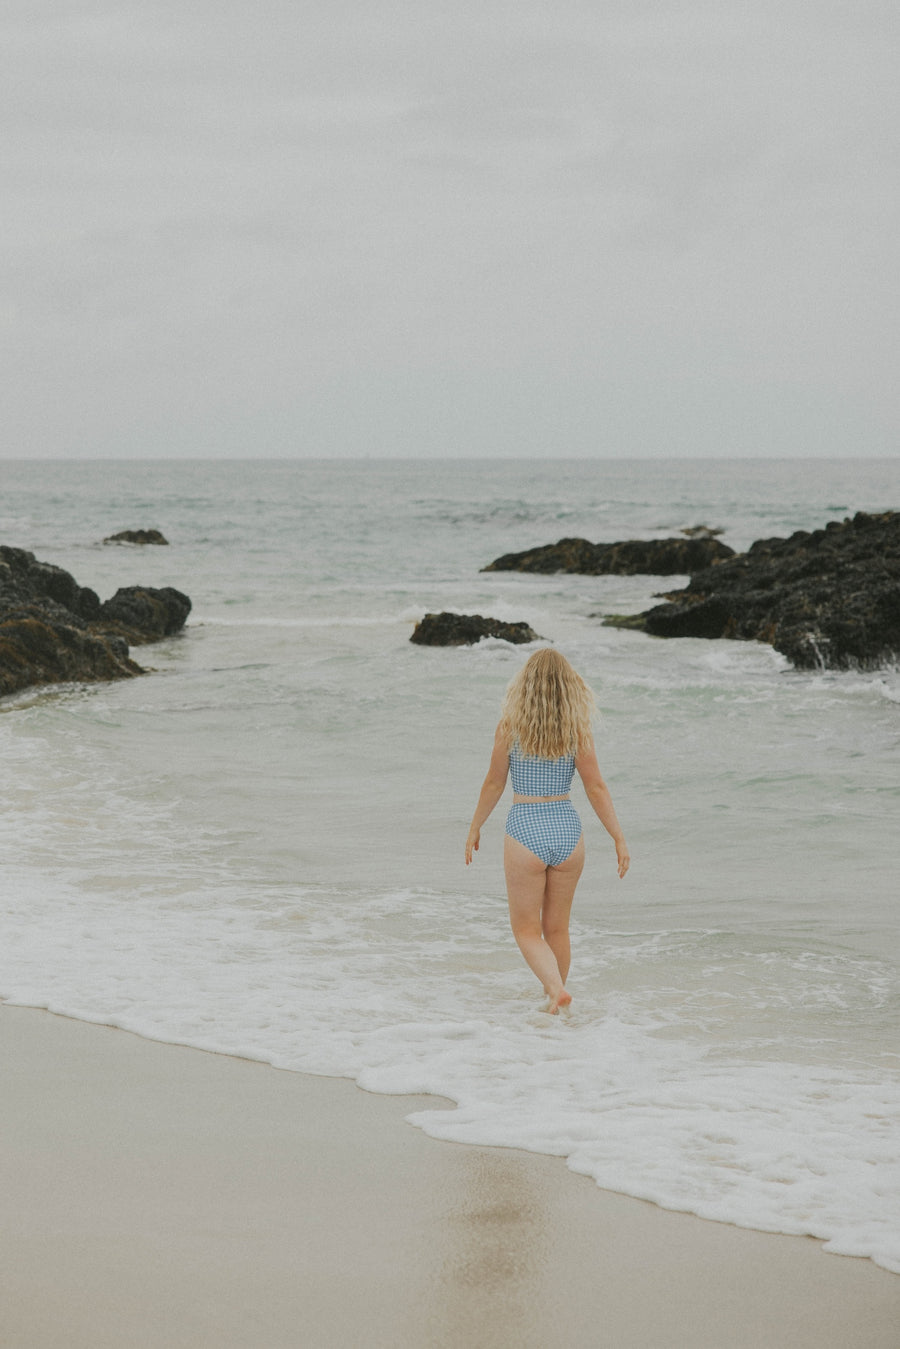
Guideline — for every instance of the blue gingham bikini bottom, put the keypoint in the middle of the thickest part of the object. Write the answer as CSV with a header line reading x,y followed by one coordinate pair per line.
x,y
549,829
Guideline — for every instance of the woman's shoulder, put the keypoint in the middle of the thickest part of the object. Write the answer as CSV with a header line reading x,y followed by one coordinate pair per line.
x,y
587,751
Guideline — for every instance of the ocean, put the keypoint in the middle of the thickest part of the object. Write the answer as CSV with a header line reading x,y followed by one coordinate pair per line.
x,y
258,847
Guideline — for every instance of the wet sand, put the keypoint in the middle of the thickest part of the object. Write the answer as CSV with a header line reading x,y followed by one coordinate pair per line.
x,y
159,1197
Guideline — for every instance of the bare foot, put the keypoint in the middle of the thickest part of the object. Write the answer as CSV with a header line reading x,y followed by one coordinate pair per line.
x,y
562,999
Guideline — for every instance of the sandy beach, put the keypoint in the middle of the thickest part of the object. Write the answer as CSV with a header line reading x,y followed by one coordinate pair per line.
x,y
159,1197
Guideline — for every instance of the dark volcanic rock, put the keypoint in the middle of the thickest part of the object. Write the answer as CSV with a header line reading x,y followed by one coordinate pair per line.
x,y
37,648
654,557
142,614
463,629
137,536
826,599
23,579
52,630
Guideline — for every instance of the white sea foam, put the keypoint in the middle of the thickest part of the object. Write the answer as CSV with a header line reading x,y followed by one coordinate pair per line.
x,y
282,621
363,986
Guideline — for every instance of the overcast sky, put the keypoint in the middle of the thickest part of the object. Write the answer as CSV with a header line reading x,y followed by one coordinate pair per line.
x,y
450,227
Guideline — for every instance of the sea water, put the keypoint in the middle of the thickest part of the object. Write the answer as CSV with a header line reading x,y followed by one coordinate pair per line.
x,y
258,847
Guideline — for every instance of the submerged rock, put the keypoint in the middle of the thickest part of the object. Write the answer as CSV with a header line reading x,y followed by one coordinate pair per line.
x,y
701,532
463,629
137,536
829,599
632,557
52,630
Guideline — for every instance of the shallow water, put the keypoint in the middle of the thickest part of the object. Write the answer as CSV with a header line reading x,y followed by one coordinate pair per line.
x,y
258,848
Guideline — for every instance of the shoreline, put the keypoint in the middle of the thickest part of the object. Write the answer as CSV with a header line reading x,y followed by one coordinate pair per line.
x,y
166,1197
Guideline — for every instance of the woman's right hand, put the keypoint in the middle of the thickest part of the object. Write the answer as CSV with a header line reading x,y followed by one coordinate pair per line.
x,y
472,843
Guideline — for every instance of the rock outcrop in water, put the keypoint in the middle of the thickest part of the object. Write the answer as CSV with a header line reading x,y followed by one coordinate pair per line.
x,y
142,536
141,614
632,557
52,630
826,599
463,629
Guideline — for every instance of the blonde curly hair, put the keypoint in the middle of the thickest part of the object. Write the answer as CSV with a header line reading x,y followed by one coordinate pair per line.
x,y
548,708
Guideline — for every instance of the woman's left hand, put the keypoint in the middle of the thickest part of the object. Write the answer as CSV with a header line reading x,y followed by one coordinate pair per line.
x,y
623,856
472,843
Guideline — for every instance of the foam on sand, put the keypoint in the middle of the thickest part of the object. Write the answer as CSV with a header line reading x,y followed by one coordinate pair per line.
x,y
170,1199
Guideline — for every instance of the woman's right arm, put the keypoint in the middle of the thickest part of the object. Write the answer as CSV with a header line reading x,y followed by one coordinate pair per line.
x,y
598,794
491,791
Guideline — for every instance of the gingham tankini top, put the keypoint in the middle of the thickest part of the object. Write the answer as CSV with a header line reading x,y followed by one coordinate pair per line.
x,y
533,776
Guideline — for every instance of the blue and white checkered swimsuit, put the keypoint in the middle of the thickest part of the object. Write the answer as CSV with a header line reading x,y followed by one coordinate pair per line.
x,y
549,829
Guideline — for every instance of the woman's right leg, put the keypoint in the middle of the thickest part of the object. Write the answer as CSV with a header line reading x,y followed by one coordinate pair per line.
x,y
559,891
526,880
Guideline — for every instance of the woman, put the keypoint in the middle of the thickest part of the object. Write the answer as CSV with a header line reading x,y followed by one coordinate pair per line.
x,y
544,736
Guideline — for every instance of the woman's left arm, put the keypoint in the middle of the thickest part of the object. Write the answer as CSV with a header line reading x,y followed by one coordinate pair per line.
x,y
491,791
601,802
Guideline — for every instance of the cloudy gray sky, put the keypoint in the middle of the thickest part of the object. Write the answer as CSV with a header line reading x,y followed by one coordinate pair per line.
x,y
483,228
